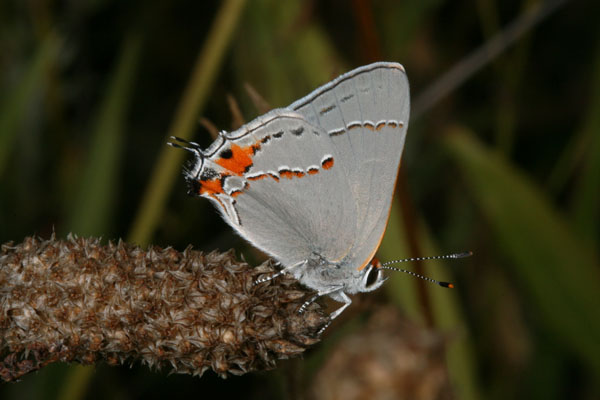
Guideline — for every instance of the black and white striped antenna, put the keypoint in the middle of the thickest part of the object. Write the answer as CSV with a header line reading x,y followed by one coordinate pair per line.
x,y
443,284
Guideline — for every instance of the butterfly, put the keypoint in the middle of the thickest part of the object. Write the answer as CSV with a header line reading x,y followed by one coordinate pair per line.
x,y
311,184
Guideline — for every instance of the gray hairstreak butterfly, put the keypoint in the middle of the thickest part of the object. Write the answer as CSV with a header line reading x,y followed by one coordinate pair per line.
x,y
311,184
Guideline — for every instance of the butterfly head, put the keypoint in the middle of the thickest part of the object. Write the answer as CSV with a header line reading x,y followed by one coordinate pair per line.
x,y
371,276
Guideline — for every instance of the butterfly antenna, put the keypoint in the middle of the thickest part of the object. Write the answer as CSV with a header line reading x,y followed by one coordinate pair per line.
x,y
443,284
192,147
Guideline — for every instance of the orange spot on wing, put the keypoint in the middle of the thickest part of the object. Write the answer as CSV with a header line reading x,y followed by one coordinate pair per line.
x,y
210,187
298,174
240,160
286,174
328,163
313,171
380,125
369,126
257,177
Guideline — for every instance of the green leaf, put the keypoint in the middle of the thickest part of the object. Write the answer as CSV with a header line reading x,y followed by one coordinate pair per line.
x,y
558,273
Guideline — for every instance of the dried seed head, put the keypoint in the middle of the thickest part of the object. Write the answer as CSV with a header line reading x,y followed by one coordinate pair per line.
x,y
389,358
78,300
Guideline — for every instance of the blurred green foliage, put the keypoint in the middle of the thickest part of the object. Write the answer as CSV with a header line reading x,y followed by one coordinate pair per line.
x,y
507,165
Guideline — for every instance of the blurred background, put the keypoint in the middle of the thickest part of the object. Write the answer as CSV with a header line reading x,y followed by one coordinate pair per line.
x,y
502,158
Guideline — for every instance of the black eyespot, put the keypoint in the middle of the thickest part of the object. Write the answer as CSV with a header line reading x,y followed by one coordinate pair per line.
x,y
226,154
372,277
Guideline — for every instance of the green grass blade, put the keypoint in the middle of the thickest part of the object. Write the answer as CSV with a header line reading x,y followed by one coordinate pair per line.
x,y
401,290
446,310
580,145
169,161
15,105
558,273
91,212
282,73
450,319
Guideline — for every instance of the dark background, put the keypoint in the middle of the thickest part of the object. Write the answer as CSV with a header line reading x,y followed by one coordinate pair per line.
x,y
506,165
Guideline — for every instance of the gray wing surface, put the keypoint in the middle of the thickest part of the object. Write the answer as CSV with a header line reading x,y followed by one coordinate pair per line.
x,y
294,201
365,113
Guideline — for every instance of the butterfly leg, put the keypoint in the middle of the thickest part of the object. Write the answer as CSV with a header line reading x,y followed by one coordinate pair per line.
x,y
308,303
316,296
347,301
279,273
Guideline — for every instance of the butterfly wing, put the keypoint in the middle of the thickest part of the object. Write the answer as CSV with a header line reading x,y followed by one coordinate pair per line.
x,y
276,182
317,177
365,112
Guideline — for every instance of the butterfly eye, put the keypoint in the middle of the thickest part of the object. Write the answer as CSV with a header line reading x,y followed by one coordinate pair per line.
x,y
372,277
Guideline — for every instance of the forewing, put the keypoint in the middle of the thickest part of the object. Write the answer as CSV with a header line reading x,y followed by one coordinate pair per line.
x,y
279,184
316,178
